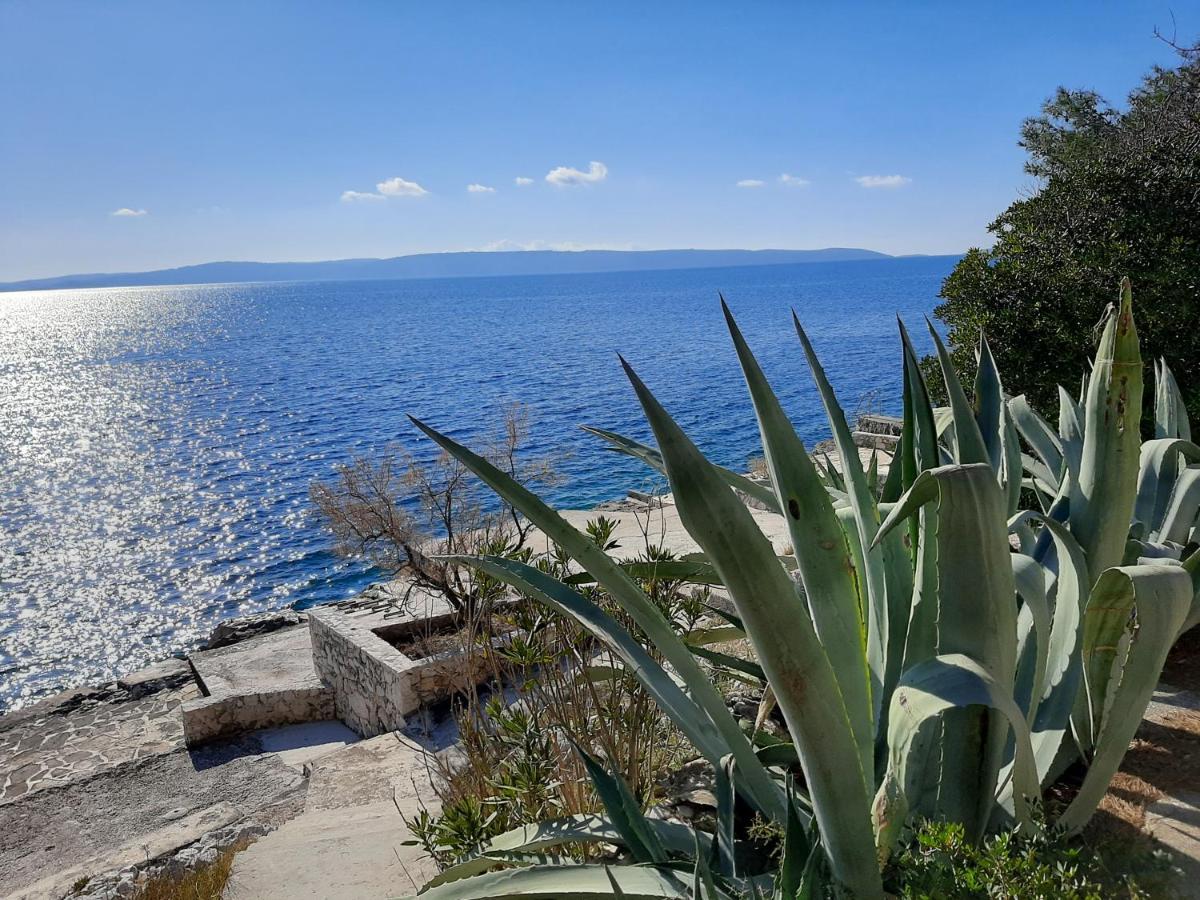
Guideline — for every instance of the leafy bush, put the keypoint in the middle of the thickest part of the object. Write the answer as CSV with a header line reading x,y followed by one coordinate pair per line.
x,y
937,861
1116,196
558,687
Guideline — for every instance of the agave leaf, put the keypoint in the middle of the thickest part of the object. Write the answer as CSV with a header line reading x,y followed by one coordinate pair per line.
x,y
731,663
866,517
848,635
1170,412
1182,508
947,683
1054,698
833,475
1038,435
797,849
702,637
976,616
782,755
1191,565
579,829
723,788
624,811
1046,480
1158,471
652,458
1102,500
1132,618
785,644
570,882
762,792
989,404
1070,431
969,443
1033,630
1010,462
924,443
670,698
693,571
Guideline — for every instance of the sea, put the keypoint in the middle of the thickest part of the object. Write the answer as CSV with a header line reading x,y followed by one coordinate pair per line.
x,y
157,444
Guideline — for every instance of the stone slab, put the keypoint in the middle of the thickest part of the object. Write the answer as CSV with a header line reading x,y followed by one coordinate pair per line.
x,y
261,682
277,661
137,805
349,853
161,842
1175,823
210,719
297,745
350,839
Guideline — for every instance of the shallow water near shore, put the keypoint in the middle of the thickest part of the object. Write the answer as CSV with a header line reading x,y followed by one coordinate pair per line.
x,y
156,444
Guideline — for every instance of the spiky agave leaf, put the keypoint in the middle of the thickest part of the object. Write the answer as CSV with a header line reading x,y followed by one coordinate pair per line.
x,y
967,537
822,554
1170,412
943,685
651,457
1132,618
1102,501
785,644
586,828
568,882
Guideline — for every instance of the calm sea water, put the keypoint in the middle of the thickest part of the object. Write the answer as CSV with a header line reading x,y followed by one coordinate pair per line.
x,y
157,444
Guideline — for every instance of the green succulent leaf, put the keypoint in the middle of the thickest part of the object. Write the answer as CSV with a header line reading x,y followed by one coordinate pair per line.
x,y
1132,618
785,643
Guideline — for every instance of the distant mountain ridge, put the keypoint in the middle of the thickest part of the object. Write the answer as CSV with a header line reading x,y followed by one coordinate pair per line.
x,y
450,265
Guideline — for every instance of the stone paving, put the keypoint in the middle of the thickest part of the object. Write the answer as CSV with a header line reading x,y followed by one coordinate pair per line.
x,y
53,745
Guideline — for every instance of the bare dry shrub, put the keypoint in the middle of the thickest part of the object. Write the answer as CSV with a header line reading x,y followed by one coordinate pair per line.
x,y
400,512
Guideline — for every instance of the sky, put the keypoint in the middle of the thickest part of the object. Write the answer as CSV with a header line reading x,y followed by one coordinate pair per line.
x,y
141,135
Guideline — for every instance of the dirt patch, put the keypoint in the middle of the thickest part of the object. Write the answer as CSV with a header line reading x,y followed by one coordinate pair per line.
x,y
1183,663
426,642
1163,759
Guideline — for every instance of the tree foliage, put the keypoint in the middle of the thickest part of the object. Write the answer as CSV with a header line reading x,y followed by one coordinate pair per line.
x,y
1118,194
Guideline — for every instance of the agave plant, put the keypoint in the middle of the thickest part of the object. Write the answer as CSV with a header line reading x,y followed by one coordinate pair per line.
x,y
1165,513
922,667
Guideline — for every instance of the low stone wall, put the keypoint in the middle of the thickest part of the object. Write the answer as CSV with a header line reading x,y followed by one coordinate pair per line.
x,y
372,681
208,718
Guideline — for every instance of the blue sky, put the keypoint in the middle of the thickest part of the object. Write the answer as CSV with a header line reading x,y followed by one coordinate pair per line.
x,y
239,128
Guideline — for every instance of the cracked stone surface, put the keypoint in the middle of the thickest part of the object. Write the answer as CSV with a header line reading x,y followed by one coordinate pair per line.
x,y
55,745
52,836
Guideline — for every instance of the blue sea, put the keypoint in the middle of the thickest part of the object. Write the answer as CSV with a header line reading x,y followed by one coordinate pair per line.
x,y
157,443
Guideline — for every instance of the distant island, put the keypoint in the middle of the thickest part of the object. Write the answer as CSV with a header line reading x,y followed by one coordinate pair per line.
x,y
450,265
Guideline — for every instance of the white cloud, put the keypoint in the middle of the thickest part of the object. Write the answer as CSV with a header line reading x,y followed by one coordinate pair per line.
x,y
750,183
480,189
793,180
398,187
883,181
522,181
564,175
393,187
125,212
357,196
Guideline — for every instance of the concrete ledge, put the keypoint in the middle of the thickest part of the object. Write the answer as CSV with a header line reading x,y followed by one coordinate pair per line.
x,y
208,718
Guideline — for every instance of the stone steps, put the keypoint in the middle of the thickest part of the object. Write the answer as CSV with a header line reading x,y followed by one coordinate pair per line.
x,y
350,839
